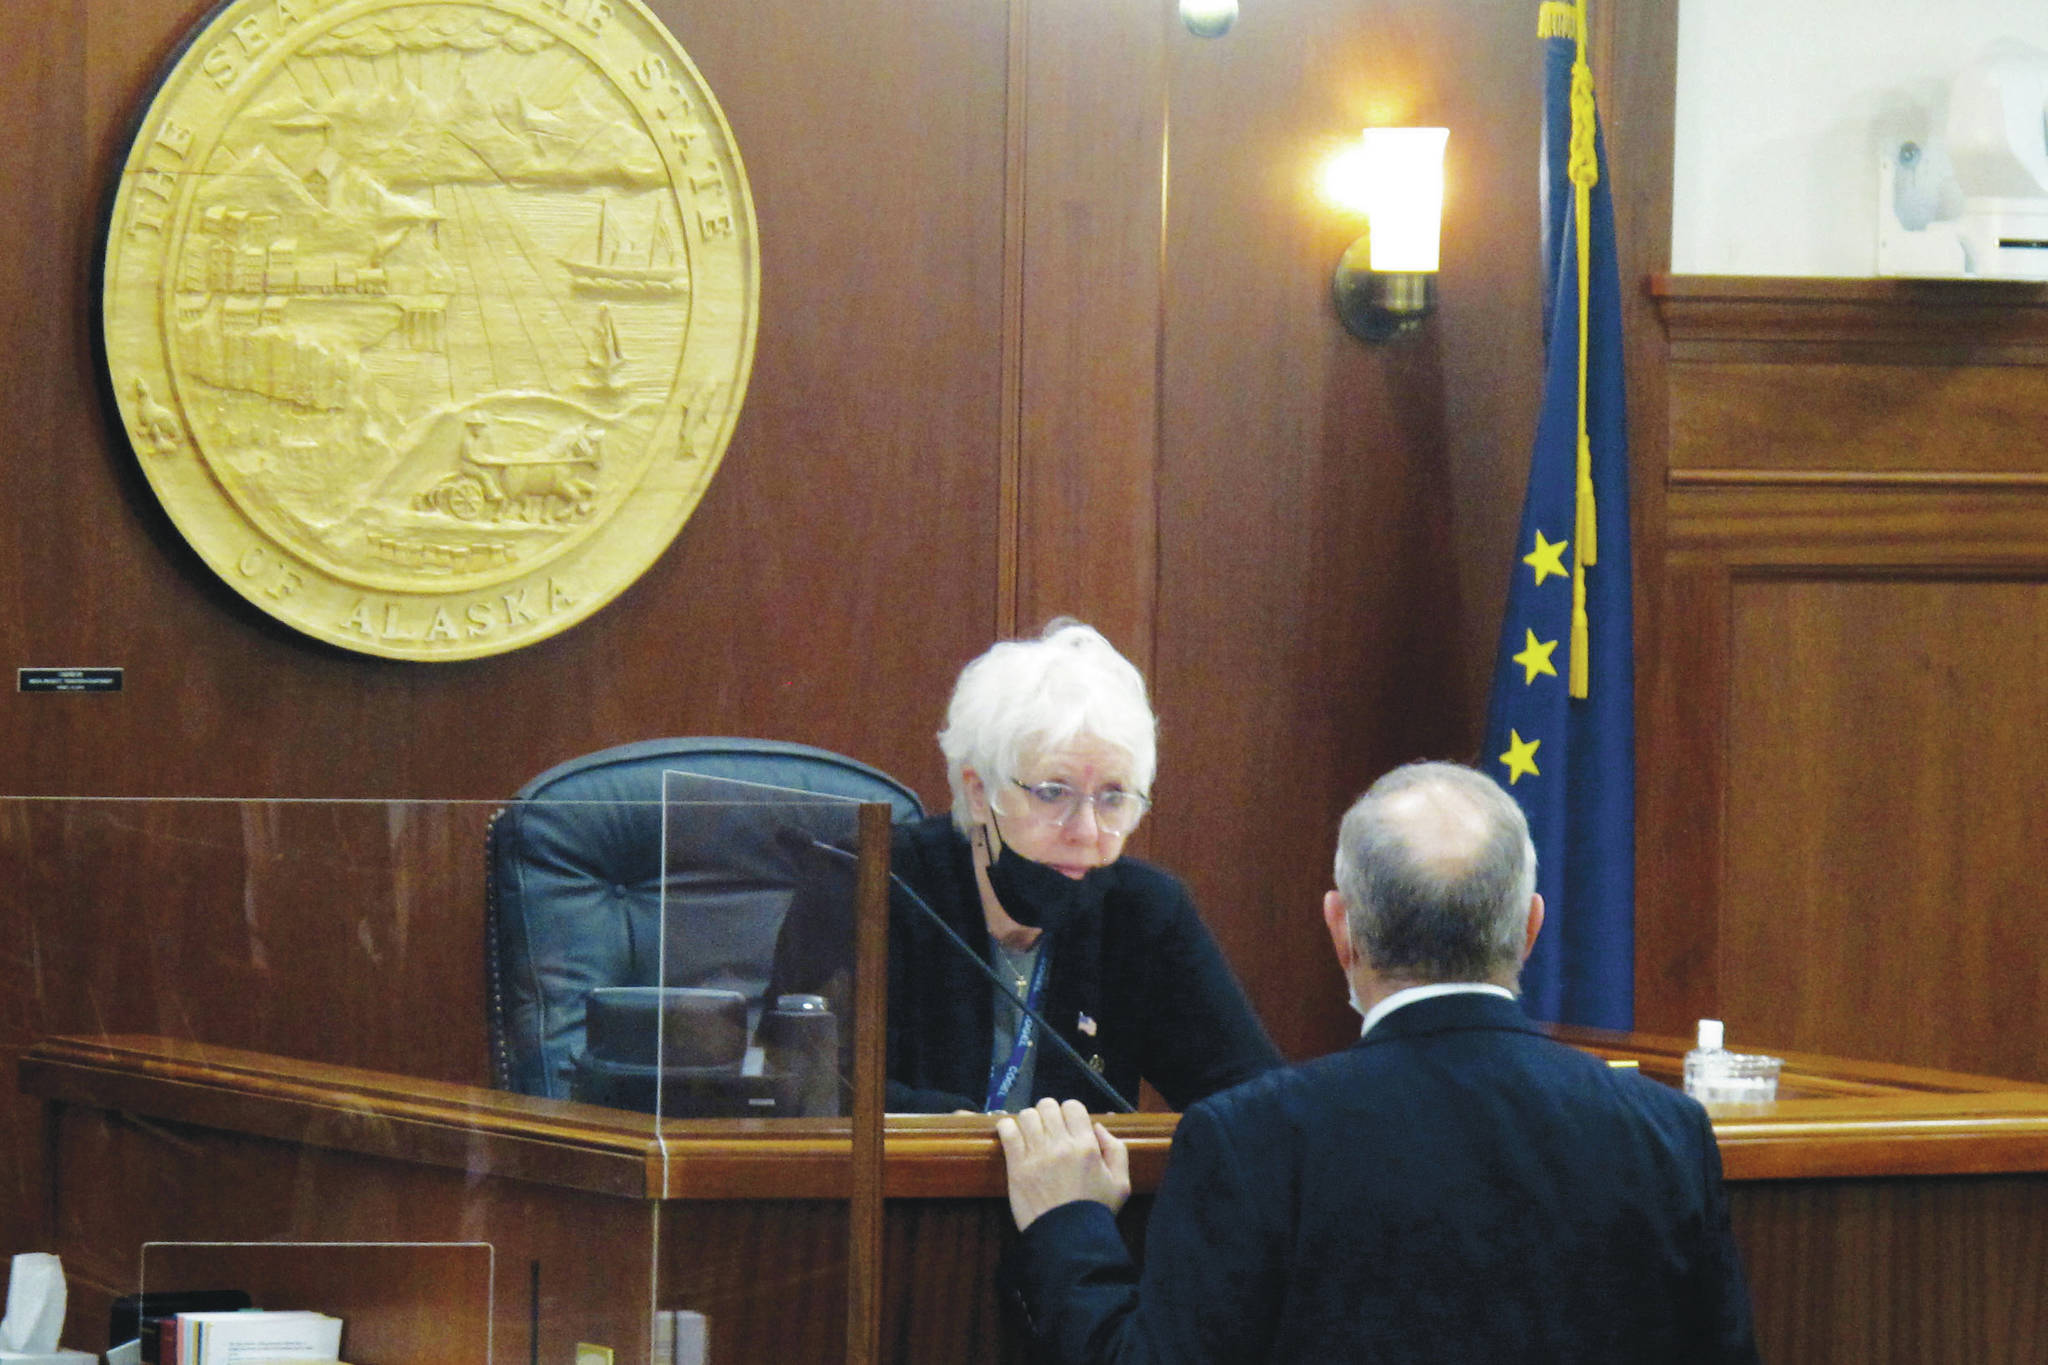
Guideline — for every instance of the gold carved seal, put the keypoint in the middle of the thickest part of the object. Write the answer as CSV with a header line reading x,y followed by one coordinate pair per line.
x,y
429,321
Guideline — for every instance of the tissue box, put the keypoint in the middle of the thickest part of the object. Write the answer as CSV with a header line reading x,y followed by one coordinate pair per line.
x,y
63,1355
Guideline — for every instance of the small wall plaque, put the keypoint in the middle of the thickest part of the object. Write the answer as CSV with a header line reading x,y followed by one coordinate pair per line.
x,y
67,680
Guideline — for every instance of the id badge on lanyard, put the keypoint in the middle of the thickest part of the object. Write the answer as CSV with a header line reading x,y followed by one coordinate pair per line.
x,y
1003,1078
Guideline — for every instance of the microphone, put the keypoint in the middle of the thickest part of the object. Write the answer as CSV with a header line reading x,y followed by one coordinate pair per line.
x,y
1046,1031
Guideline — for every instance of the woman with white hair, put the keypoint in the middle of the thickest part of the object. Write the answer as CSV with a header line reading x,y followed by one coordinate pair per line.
x,y
1050,746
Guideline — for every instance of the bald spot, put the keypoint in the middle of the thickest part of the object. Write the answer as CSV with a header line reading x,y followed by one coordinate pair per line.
x,y
1442,829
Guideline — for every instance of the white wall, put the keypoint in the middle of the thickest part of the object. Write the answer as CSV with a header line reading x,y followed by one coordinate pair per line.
x,y
1780,107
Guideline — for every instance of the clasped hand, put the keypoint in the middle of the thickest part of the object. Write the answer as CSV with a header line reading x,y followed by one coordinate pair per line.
x,y
1056,1154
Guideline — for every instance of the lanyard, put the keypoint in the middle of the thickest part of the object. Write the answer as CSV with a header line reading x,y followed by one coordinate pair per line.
x,y
1001,1079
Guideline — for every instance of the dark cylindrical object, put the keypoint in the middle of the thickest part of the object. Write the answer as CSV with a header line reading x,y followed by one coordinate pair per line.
x,y
801,1038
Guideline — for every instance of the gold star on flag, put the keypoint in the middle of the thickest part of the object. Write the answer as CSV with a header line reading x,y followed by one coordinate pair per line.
x,y
1521,757
1535,658
1547,558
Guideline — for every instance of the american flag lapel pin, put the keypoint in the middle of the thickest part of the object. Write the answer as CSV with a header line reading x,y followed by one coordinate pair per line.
x,y
1085,1025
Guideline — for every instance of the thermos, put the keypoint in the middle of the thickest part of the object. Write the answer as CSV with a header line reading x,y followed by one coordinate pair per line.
x,y
801,1039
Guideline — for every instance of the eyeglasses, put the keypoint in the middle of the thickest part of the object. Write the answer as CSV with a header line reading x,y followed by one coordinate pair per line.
x,y
1116,811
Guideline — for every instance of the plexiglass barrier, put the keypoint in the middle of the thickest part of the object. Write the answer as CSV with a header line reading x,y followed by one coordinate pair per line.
x,y
754,877
407,1063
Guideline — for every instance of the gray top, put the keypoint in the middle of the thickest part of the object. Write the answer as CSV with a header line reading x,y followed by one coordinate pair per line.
x,y
1016,968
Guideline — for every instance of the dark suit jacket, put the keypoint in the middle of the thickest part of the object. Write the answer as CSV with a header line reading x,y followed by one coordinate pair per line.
x,y
1455,1187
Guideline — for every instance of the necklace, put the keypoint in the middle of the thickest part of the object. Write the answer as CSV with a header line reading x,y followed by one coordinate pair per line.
x,y
1018,965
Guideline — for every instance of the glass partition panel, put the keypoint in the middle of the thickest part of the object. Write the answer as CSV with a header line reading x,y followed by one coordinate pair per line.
x,y
300,1049
756,995
342,932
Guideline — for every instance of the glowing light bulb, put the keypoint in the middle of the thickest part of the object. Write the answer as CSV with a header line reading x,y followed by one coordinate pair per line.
x,y
1208,18
1404,179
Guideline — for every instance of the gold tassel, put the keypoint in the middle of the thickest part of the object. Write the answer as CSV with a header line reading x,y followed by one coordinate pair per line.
x,y
1580,665
1584,165
1584,169
1589,519
1556,19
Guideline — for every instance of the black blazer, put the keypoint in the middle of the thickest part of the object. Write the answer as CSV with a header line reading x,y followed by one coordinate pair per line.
x,y
1455,1187
1141,986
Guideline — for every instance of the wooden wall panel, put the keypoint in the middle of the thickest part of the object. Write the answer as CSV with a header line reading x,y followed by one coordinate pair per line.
x,y
169,1182
1937,1271
1838,851
1327,506
190,920
1883,851
1681,769
847,571
1848,416
1092,89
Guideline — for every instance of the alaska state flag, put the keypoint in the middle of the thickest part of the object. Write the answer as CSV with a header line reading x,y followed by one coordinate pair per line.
x,y
1560,726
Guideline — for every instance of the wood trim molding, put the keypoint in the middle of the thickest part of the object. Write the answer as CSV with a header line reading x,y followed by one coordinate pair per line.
x,y
1838,1119
1856,478
1809,1073
347,1109
1835,1118
1087,100
1970,321
1010,421
552,1142
1919,1135
870,1084
1907,527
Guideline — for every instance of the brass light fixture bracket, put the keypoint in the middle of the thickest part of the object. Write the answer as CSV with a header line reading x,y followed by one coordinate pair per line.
x,y
1380,305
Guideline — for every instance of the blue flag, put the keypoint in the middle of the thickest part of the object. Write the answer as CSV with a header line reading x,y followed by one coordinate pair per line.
x,y
1560,726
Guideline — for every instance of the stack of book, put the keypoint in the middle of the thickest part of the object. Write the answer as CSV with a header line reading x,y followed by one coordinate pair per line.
x,y
249,1336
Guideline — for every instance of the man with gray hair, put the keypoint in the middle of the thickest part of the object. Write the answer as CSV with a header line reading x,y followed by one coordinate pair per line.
x,y
1454,1187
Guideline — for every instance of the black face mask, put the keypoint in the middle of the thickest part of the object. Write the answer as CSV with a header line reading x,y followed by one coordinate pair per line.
x,y
1041,897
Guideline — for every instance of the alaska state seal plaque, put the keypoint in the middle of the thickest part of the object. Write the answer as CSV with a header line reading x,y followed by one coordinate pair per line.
x,y
429,321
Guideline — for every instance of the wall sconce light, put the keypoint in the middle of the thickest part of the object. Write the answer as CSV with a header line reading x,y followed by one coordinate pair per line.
x,y
1208,18
1386,281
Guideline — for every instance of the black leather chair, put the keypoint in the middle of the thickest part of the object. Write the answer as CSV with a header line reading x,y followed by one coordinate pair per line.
x,y
575,878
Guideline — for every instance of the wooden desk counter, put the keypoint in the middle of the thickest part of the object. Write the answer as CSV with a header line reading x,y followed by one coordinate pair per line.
x,y
1886,1213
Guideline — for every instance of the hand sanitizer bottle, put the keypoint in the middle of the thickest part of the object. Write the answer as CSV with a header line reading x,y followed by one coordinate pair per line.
x,y
1704,1065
